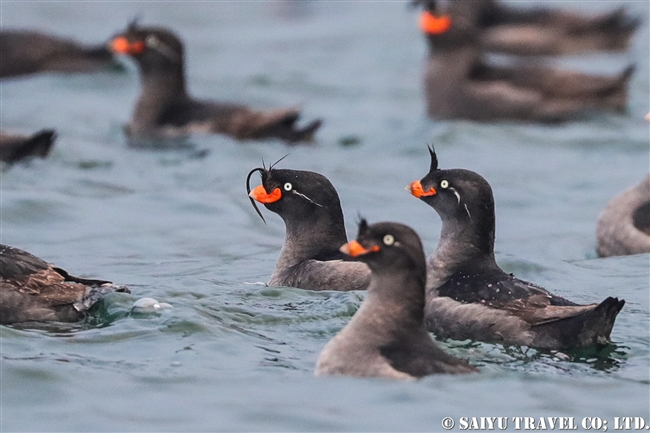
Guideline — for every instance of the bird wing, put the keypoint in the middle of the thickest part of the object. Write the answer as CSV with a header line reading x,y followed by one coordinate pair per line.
x,y
25,273
494,288
537,309
498,290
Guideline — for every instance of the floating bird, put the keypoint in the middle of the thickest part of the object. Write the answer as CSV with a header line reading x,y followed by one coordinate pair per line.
x,y
164,108
311,210
470,297
460,83
387,336
32,290
537,31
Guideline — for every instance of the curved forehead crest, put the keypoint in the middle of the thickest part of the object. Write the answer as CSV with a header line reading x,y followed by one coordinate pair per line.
x,y
434,159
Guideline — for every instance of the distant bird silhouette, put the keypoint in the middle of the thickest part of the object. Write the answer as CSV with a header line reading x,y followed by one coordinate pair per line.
x,y
534,31
164,108
29,52
461,84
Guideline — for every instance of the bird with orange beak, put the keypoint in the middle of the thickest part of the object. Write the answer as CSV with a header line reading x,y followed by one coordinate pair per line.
x,y
470,297
387,336
311,210
166,110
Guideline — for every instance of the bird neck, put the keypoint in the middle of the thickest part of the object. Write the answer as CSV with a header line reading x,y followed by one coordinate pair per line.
x,y
398,297
322,234
159,90
167,81
464,244
475,232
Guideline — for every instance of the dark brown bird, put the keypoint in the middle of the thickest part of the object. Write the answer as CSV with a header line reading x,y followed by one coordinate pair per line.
x,y
470,297
14,147
536,31
32,290
164,108
29,52
460,83
387,336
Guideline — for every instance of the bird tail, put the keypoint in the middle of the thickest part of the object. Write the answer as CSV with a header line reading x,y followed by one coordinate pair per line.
x,y
592,327
38,144
283,124
41,143
599,322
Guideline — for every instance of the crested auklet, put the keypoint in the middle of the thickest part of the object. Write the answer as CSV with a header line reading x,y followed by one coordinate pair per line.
x,y
28,52
624,225
32,290
310,208
460,83
387,336
164,108
15,147
537,31
470,297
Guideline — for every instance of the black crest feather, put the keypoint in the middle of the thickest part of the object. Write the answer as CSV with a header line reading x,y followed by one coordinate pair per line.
x,y
264,173
428,5
363,226
434,159
134,23
262,170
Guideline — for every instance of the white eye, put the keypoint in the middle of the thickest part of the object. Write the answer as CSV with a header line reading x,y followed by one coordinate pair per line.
x,y
151,40
288,186
444,184
389,239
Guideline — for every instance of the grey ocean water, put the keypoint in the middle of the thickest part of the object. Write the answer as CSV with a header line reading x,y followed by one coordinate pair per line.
x,y
177,225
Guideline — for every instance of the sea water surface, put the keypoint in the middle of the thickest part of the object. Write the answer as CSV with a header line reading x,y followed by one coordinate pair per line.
x,y
176,224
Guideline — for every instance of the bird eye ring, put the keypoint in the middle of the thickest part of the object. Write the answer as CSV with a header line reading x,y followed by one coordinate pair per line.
x,y
444,184
288,186
389,240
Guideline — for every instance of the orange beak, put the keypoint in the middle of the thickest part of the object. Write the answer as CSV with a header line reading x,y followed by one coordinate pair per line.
x,y
417,191
433,25
260,194
354,249
121,45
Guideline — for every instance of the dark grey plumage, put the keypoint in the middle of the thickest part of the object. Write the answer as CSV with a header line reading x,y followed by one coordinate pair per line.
x,y
164,108
311,210
387,337
537,31
470,297
460,82
32,290
28,52
624,225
